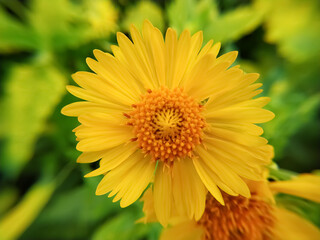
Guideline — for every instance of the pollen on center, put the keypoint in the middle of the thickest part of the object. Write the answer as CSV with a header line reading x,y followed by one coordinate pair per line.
x,y
167,123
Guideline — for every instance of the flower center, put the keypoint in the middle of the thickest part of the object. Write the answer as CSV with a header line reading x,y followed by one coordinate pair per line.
x,y
240,219
167,123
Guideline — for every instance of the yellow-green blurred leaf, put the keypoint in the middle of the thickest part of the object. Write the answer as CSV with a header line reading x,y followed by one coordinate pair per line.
x,y
121,227
293,110
306,209
14,223
143,10
30,95
204,15
8,196
56,23
191,14
73,213
101,16
294,26
14,35
234,24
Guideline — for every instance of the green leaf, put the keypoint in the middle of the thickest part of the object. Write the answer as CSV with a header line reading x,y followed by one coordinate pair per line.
x,y
73,213
14,35
143,10
306,209
234,24
123,227
280,174
30,95
293,110
191,14
101,17
204,15
8,196
57,24
294,26
14,223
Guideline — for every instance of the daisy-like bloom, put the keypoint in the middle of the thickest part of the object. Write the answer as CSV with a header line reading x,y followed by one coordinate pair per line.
x,y
170,110
257,218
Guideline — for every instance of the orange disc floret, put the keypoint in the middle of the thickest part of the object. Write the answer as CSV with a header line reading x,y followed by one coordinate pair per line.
x,y
240,219
167,123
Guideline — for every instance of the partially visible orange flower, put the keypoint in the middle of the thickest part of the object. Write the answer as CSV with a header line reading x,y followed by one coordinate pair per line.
x,y
257,218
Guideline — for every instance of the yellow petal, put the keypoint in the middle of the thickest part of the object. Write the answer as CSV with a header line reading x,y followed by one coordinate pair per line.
x,y
226,97
236,137
210,180
215,49
226,174
239,166
240,114
206,49
117,75
91,96
136,62
162,192
89,157
216,80
113,158
104,120
188,190
171,42
184,231
128,180
202,74
305,185
293,227
156,51
182,57
78,108
238,127
194,58
230,57
105,141
117,92
253,156
257,102
148,207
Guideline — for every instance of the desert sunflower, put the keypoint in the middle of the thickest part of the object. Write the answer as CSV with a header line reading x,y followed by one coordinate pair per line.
x,y
257,218
171,110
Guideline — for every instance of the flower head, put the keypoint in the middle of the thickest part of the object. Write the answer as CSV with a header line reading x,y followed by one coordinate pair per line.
x,y
172,104
259,217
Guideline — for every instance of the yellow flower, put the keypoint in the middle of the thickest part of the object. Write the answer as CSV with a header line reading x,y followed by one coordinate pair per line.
x,y
168,107
257,218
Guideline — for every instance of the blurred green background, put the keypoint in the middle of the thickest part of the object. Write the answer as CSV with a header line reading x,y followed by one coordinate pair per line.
x,y
43,194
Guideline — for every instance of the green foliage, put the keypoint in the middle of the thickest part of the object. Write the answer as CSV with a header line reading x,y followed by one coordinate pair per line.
x,y
280,174
293,110
204,15
123,227
136,14
58,33
294,26
42,42
31,93
21,216
8,196
14,35
307,209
